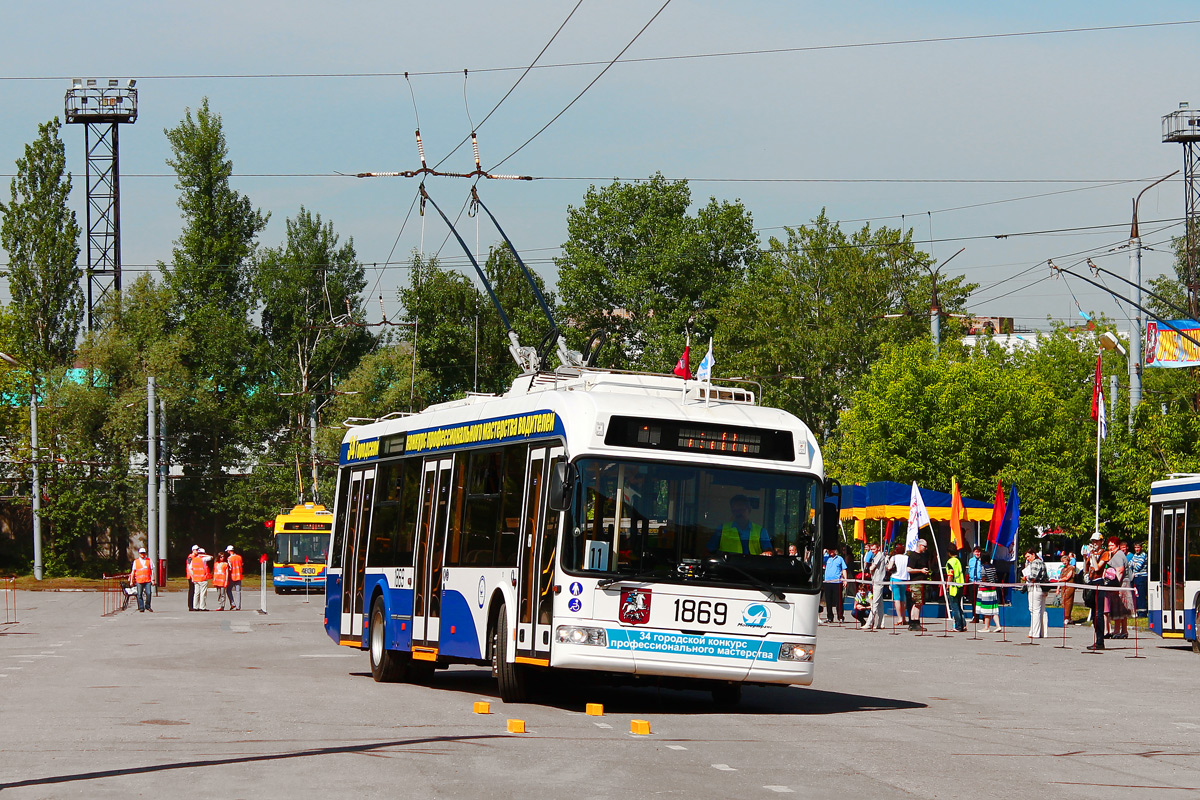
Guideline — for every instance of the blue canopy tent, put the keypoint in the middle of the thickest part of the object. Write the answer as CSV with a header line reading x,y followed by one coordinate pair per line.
x,y
889,500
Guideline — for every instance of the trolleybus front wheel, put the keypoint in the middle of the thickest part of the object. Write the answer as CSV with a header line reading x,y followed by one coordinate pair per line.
x,y
511,676
387,666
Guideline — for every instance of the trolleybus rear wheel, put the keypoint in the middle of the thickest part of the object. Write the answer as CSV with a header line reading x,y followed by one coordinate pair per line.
x,y
510,676
387,666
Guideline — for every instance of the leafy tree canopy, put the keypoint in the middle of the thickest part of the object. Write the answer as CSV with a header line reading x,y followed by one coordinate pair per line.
x,y
637,266
41,236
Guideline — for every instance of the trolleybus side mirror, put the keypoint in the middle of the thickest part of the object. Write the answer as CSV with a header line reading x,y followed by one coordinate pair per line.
x,y
562,486
830,513
829,526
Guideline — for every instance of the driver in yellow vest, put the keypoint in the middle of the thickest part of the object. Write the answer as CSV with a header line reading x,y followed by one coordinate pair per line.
x,y
740,535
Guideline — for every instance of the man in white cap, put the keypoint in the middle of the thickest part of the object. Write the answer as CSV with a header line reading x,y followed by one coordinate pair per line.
x,y
235,579
188,572
141,576
200,576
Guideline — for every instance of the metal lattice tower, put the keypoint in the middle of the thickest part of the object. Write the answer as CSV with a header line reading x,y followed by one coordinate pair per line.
x,y
1183,127
101,109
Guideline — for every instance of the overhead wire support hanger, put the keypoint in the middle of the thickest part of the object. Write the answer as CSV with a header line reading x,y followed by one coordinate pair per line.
x,y
526,357
425,169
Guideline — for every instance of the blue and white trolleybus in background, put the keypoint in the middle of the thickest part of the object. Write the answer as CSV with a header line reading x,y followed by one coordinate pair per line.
x,y
584,520
1174,549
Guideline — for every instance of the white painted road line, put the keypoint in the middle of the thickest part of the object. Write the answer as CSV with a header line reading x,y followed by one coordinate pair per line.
x,y
724,767
676,747
602,725
781,789
329,655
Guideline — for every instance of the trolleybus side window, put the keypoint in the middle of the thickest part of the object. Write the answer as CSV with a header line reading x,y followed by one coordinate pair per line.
x,y
509,539
481,520
339,528
454,535
1191,565
395,519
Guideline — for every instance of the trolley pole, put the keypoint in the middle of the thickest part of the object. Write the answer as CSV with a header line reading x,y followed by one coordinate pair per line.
x,y
262,585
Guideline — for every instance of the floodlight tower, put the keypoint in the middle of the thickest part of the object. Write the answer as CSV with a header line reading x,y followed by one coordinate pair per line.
x,y
101,109
1183,127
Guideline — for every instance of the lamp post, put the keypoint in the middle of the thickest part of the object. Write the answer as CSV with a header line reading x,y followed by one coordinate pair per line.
x,y
1135,278
37,481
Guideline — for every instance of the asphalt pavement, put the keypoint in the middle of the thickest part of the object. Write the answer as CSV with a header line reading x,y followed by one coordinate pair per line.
x,y
243,705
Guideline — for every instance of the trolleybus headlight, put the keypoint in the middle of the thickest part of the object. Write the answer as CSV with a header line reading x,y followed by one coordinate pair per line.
x,y
789,651
576,634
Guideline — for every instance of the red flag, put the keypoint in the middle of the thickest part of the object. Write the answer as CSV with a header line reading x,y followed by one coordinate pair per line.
x,y
683,369
957,512
997,513
1097,391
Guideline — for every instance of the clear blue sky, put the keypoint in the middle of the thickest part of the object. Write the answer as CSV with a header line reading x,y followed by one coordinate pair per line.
x,y
1065,108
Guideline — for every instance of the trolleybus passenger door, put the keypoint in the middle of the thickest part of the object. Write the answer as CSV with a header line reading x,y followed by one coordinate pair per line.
x,y
355,540
1170,549
539,545
431,547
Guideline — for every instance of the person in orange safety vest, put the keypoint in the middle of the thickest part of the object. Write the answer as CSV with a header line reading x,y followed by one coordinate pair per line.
x,y
235,579
221,581
142,577
191,592
200,579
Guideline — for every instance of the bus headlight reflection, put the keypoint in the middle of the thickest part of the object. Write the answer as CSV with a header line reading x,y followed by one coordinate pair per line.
x,y
576,634
790,651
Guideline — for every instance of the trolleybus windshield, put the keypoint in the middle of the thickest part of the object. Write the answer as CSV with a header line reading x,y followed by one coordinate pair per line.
x,y
668,522
300,548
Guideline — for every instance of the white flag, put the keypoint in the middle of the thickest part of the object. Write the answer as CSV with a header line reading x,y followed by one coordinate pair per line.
x,y
917,517
1102,419
704,371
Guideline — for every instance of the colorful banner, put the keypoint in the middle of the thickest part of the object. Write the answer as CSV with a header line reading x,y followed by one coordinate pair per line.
x,y
492,431
686,644
1166,348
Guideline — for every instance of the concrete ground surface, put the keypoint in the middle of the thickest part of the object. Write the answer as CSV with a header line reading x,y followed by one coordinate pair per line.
x,y
240,705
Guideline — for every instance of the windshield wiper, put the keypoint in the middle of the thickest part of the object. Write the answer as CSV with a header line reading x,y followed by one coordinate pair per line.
x,y
637,576
772,591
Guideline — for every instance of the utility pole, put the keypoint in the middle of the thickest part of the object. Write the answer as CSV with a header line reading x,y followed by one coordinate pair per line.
x,y
151,473
163,474
36,493
37,484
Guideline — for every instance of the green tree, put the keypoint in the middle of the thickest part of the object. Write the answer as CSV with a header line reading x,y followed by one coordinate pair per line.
x,y
311,309
41,236
220,408
639,268
980,415
813,314
211,257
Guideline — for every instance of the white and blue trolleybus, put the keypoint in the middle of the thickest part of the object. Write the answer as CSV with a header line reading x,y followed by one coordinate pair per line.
x,y
1174,548
587,520
632,524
